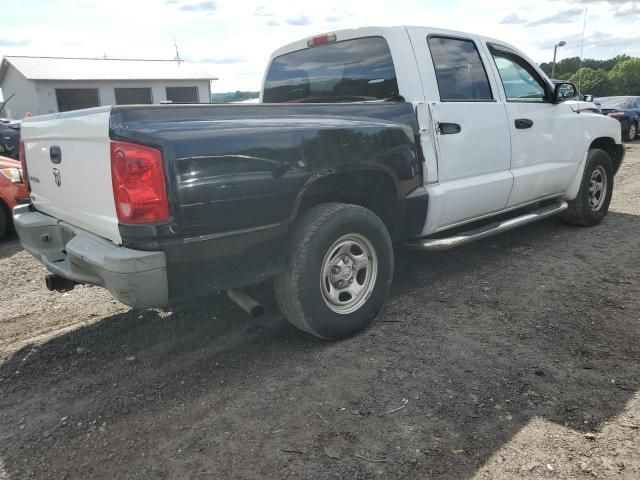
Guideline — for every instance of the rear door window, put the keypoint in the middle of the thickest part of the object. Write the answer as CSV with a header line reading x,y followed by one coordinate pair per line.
x,y
459,69
347,71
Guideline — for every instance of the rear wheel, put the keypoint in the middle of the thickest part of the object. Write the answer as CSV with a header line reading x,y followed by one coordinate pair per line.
x,y
339,272
592,203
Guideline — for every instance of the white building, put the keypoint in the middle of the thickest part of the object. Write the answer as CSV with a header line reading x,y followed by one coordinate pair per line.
x,y
48,84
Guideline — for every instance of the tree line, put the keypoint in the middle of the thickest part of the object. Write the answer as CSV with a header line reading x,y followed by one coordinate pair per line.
x,y
619,75
237,96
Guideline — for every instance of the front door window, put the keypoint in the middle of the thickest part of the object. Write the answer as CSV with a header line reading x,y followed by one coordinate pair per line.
x,y
518,78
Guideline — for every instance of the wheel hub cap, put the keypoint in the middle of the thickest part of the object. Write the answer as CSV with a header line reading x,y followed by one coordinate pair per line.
x,y
348,274
597,188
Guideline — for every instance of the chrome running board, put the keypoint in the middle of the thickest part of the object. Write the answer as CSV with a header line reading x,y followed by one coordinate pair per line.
x,y
438,244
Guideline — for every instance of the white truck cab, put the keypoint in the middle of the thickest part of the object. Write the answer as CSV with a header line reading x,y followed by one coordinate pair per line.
x,y
493,137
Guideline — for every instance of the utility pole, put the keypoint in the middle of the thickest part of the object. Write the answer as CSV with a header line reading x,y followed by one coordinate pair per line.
x,y
555,50
175,44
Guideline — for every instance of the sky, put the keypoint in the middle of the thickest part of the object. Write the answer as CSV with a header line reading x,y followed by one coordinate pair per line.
x,y
232,39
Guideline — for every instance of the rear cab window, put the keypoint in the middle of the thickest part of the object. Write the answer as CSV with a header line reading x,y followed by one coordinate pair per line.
x,y
347,71
460,73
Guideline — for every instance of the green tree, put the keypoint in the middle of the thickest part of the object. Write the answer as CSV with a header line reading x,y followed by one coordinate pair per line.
x,y
593,82
236,96
568,66
563,67
625,77
609,64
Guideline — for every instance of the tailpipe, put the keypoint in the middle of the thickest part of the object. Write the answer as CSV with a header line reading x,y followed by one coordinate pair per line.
x,y
245,302
56,283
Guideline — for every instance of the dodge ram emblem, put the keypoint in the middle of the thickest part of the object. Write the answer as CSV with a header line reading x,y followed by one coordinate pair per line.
x,y
56,176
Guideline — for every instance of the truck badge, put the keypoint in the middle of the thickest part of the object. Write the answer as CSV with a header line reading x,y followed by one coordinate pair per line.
x,y
56,176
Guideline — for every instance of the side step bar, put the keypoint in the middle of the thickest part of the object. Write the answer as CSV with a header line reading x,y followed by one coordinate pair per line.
x,y
439,244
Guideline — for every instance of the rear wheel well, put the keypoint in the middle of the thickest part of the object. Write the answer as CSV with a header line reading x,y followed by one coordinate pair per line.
x,y
370,189
607,144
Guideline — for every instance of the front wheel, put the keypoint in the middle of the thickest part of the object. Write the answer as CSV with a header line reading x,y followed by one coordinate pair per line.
x,y
592,203
339,271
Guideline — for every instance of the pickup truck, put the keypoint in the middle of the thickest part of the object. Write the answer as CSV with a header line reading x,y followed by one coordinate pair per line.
x,y
364,139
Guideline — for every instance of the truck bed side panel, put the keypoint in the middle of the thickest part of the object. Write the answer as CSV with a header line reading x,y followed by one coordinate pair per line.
x,y
237,173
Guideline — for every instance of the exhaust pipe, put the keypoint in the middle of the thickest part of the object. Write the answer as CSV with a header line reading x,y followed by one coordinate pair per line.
x,y
245,302
57,283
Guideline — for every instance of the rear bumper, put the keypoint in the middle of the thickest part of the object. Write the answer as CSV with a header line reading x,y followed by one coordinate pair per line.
x,y
136,278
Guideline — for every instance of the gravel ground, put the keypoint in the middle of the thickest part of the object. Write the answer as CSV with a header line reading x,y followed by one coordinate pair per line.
x,y
515,357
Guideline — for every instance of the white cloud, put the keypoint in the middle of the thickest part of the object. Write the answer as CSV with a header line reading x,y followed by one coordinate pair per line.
x,y
563,16
513,19
300,20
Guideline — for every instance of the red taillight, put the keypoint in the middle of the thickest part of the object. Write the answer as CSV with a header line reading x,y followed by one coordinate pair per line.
x,y
321,39
139,191
23,161
616,115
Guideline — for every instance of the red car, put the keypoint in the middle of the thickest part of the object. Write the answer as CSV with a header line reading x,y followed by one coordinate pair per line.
x,y
12,191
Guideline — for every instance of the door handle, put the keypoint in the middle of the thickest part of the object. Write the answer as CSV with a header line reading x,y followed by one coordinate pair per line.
x,y
55,154
449,128
524,123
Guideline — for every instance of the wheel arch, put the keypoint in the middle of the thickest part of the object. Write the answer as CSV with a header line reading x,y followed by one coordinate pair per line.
x,y
370,188
609,145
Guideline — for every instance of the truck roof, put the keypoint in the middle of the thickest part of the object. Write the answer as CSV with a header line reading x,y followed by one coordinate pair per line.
x,y
398,35
349,33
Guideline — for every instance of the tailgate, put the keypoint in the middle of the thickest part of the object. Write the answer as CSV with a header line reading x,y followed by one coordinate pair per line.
x,y
69,166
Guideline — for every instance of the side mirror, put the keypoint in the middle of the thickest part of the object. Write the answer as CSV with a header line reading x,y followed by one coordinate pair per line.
x,y
588,98
564,91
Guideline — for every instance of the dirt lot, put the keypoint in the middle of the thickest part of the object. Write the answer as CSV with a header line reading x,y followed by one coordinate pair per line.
x,y
516,357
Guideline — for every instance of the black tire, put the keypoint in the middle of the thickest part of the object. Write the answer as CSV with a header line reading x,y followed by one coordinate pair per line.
x,y
4,221
632,132
299,288
580,211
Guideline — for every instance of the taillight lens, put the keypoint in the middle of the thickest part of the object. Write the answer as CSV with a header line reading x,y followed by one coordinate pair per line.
x,y
23,162
139,191
616,114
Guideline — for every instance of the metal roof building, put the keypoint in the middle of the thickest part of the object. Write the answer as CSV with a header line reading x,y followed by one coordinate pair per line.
x,y
42,85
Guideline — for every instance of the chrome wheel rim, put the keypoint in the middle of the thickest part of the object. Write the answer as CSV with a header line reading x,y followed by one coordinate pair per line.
x,y
348,273
633,131
597,188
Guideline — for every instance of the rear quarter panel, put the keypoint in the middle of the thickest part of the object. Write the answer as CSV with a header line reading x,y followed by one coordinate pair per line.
x,y
236,168
237,175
